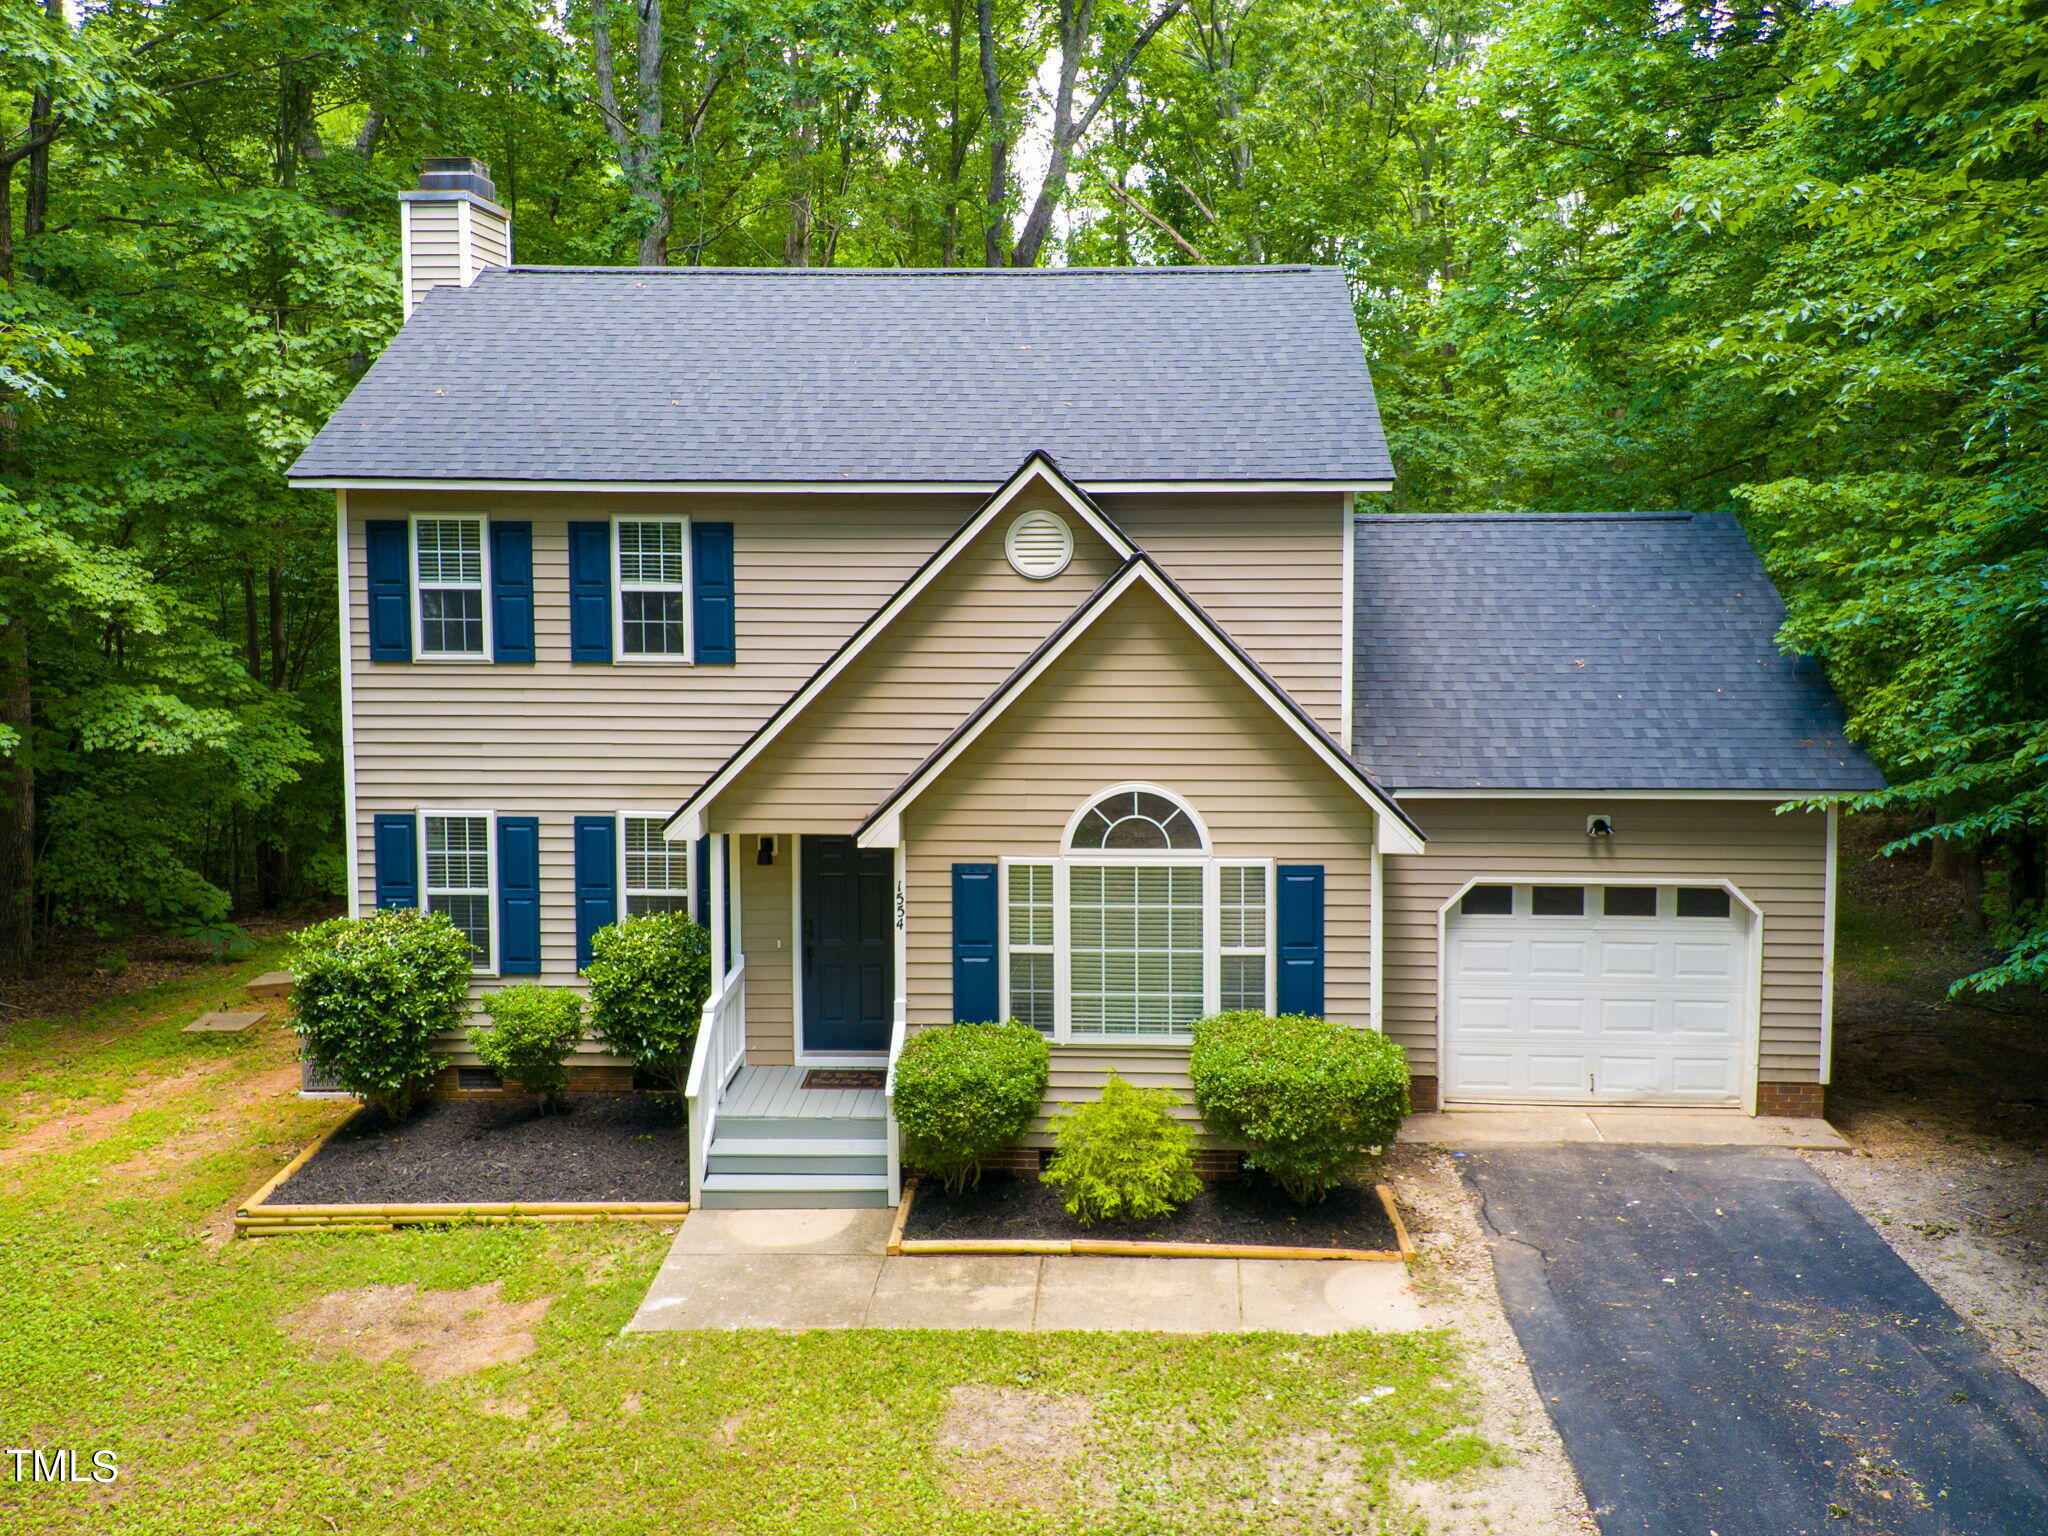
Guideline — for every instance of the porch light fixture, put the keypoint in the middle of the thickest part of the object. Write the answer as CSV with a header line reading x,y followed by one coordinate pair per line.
x,y
764,849
1599,827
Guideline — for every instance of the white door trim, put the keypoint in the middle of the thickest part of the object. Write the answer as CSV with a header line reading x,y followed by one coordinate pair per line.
x,y
1753,967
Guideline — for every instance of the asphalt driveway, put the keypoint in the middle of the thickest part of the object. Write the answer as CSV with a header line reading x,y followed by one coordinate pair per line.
x,y
1728,1348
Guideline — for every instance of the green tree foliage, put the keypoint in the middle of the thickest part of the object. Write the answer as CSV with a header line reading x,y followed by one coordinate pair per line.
x,y
374,993
649,978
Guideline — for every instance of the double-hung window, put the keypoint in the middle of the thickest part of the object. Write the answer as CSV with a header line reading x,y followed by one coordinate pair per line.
x,y
456,850
653,576
449,606
655,873
1137,930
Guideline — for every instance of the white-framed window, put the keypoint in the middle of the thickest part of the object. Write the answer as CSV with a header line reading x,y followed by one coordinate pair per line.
x,y
459,877
451,610
654,873
1136,930
651,588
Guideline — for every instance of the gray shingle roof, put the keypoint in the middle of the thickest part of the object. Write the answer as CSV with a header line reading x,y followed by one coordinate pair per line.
x,y
1603,652
1135,374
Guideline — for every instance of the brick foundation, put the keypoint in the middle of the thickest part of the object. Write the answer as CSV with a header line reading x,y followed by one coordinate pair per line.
x,y
581,1080
1422,1099
1798,1100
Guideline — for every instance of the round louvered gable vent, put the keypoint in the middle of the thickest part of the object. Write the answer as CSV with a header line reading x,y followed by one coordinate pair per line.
x,y
1039,545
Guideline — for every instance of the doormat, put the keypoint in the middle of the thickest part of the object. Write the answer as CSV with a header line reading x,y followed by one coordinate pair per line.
x,y
844,1077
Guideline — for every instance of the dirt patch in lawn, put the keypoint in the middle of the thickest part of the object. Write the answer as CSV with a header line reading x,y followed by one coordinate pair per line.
x,y
604,1146
1007,1207
1005,1446
79,1126
162,1168
440,1334
1535,1493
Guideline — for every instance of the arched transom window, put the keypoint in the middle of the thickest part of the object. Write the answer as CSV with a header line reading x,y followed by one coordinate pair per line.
x,y
1136,931
1136,821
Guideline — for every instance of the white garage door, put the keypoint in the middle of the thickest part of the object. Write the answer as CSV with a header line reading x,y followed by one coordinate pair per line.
x,y
1601,994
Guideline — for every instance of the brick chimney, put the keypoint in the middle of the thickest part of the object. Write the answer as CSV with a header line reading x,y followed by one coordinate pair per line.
x,y
451,228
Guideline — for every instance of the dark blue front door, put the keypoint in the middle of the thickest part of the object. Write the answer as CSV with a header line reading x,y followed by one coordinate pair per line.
x,y
849,951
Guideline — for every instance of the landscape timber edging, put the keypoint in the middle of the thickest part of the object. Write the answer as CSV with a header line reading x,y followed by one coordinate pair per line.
x,y
253,1218
1091,1247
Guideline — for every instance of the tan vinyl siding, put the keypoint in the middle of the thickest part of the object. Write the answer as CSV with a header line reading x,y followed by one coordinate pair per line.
x,y
1137,698
557,740
766,923
1778,862
923,675
1269,569
434,243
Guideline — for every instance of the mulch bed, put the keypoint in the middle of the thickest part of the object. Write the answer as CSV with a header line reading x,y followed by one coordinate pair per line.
x,y
604,1146
1008,1207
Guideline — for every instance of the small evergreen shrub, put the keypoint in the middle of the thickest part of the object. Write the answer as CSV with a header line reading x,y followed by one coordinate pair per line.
x,y
968,1091
649,977
1308,1097
372,993
533,1032
1124,1157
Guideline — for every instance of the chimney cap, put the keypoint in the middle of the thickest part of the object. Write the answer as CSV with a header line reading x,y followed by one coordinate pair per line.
x,y
456,173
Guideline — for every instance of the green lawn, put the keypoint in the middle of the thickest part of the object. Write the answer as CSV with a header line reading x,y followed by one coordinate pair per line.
x,y
127,1324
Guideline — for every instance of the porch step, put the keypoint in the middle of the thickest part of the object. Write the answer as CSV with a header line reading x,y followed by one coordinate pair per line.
x,y
808,1154
762,1191
806,1128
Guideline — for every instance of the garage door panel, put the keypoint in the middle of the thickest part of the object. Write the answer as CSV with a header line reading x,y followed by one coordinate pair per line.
x,y
1551,957
1628,1018
1627,961
1595,1009
1554,1072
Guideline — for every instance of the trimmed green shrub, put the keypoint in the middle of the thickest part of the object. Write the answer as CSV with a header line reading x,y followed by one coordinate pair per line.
x,y
1308,1097
649,977
372,993
968,1091
534,1029
1124,1156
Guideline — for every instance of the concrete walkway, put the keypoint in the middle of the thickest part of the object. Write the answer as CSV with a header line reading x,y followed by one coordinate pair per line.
x,y
827,1269
1622,1127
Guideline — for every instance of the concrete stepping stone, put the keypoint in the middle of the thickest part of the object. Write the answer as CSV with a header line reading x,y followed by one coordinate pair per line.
x,y
221,1022
271,986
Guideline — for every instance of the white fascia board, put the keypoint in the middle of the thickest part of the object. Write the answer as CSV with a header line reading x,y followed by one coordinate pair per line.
x,y
1034,467
825,487
1393,834
1773,796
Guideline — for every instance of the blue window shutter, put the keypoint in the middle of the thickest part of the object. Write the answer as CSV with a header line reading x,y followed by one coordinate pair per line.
x,y
974,943
387,548
519,895
704,881
1298,934
398,859
590,591
511,591
597,879
712,613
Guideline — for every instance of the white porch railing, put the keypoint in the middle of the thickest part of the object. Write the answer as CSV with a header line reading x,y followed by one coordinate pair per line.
x,y
897,1033
721,1051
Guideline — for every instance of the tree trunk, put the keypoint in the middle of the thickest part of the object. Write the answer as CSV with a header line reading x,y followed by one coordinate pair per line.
x,y
956,144
17,802
1975,920
997,212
